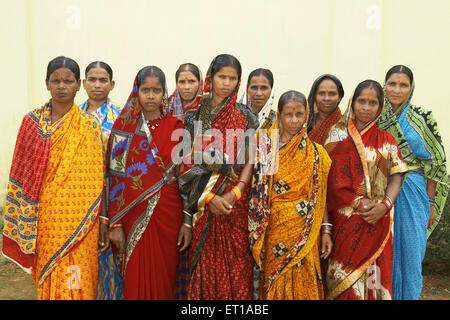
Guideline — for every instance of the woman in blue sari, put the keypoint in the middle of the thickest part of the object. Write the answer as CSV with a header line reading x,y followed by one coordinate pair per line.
x,y
98,84
420,203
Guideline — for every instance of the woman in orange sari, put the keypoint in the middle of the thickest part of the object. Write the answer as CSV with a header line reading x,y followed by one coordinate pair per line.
x,y
363,184
55,190
287,207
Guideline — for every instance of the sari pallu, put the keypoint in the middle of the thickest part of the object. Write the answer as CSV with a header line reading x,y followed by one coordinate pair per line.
x,y
268,113
144,198
64,242
360,264
220,260
417,135
288,198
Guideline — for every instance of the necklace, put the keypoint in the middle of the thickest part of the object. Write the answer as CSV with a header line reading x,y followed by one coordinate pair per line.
x,y
153,126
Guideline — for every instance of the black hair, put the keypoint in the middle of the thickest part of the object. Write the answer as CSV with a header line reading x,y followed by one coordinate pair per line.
x,y
99,64
149,70
290,95
190,67
226,60
365,84
63,62
260,71
400,68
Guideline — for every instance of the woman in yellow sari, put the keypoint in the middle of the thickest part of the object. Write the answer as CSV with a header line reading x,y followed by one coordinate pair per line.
x,y
287,208
54,192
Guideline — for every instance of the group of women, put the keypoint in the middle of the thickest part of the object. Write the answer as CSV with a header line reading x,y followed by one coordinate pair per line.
x,y
167,198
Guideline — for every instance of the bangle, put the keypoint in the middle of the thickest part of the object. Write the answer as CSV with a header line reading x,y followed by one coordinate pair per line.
x,y
105,222
432,200
209,197
187,220
187,225
245,183
326,232
117,225
237,192
327,224
359,204
387,202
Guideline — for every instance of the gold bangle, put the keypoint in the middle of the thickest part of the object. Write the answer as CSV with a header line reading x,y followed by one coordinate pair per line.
x,y
237,192
209,197
117,225
187,225
106,223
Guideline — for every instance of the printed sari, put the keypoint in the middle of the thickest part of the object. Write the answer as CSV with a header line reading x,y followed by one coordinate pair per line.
x,y
287,204
319,132
54,195
144,197
360,264
110,282
416,133
268,113
220,261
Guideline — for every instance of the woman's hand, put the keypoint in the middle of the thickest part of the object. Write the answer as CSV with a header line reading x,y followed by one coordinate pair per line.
x,y
431,220
373,215
103,240
219,206
366,205
326,246
117,237
184,237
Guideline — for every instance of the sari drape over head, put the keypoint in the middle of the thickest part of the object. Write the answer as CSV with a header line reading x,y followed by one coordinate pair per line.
x,y
268,113
287,204
54,195
360,264
416,133
175,105
143,196
319,132
220,260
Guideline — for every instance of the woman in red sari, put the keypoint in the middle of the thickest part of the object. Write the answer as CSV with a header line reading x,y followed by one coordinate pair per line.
x,y
363,183
214,187
145,208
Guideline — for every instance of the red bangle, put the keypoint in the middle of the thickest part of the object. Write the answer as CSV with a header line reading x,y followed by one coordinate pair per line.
x,y
245,183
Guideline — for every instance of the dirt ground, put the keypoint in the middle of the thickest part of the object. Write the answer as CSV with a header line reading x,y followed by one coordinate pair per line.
x,y
17,285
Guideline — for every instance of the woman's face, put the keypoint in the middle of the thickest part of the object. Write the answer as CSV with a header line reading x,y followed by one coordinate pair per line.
x,y
397,89
366,106
151,94
63,85
259,90
98,84
327,96
293,117
224,82
187,85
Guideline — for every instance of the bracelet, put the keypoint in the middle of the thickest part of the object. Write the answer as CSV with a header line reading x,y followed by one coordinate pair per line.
x,y
326,232
187,225
245,183
432,200
187,220
387,203
209,197
237,192
102,221
327,224
359,204
117,225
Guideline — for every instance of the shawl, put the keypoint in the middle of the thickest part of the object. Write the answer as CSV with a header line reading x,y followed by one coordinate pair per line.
x,y
175,105
423,122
